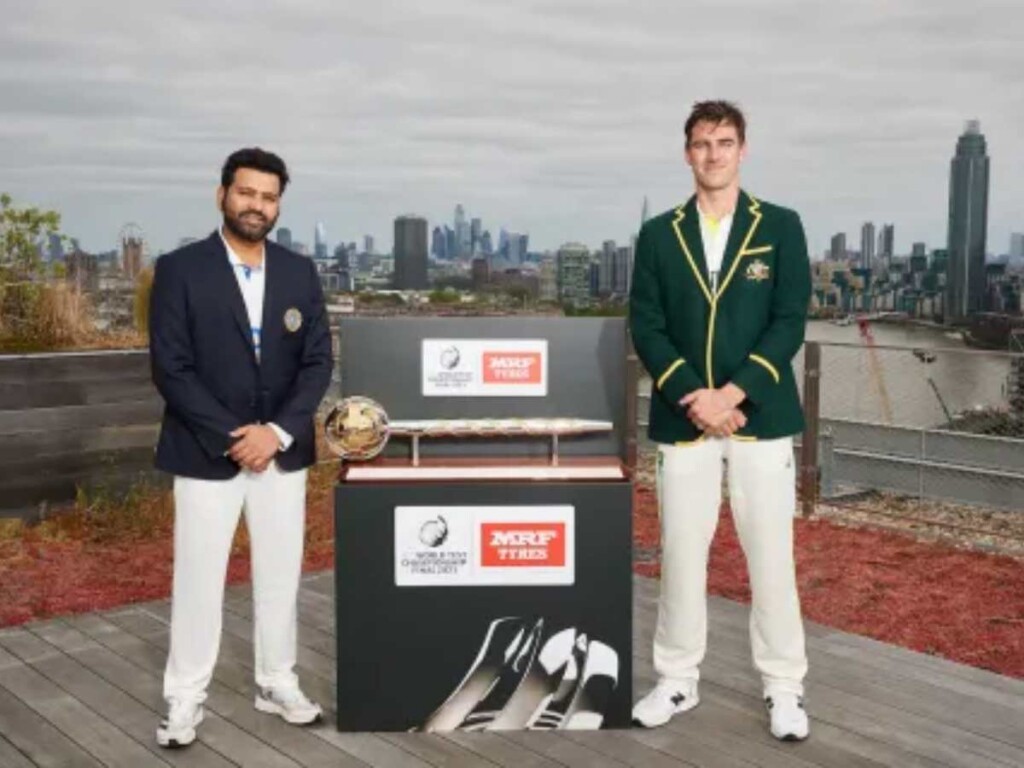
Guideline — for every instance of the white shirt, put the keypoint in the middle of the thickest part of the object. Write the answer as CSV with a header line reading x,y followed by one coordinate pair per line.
x,y
252,282
714,235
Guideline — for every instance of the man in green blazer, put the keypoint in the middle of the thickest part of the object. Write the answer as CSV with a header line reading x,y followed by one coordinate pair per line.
x,y
718,309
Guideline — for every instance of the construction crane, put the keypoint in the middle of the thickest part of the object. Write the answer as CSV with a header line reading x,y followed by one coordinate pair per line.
x,y
864,326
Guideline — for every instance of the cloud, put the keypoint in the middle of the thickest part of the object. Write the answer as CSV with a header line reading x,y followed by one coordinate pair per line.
x,y
553,117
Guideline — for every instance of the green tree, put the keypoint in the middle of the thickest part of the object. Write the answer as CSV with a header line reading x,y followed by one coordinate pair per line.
x,y
28,312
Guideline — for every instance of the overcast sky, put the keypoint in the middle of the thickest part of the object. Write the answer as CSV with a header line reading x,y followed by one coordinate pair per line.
x,y
552,117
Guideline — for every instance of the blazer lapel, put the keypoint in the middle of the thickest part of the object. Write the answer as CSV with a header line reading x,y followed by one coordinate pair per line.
x,y
687,229
744,224
225,274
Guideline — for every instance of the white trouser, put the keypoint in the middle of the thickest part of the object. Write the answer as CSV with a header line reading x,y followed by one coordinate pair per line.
x,y
762,493
205,518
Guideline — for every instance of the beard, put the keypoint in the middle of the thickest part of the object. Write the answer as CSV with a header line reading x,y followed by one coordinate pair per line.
x,y
250,226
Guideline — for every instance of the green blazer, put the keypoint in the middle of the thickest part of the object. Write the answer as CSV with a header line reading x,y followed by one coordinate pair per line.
x,y
689,335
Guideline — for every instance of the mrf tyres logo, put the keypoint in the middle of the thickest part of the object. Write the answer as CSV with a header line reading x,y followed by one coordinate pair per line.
x,y
512,367
522,544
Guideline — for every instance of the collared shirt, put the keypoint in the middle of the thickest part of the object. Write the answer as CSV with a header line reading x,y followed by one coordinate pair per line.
x,y
715,235
252,282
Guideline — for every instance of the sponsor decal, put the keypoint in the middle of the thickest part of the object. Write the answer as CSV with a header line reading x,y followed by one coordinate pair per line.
x,y
484,367
484,545
512,367
522,544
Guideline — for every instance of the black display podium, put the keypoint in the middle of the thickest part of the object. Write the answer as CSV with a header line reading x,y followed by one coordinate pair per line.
x,y
486,589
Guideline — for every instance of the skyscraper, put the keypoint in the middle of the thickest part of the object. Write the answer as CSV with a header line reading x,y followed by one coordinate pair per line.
x,y
320,241
606,268
643,213
284,237
438,244
968,225
622,271
574,273
475,231
463,239
1016,246
838,251
867,245
886,243
410,253
367,243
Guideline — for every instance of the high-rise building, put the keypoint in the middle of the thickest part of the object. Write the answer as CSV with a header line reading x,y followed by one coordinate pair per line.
x,y
449,242
886,243
919,249
517,247
486,245
574,273
839,246
606,268
438,244
548,280
968,225
284,237
643,213
463,238
867,245
410,253
1016,246
367,243
475,231
320,241
622,271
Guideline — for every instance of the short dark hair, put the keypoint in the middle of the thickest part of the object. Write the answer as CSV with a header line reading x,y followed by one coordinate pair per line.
x,y
255,159
716,112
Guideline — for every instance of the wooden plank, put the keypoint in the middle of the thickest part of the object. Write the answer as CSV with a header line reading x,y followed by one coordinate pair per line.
x,y
436,750
25,394
11,756
145,411
500,751
923,699
136,667
685,748
136,717
270,740
99,738
623,746
35,738
74,366
562,750
64,442
23,496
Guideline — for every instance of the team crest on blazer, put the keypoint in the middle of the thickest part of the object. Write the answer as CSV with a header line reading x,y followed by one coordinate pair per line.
x,y
758,271
293,320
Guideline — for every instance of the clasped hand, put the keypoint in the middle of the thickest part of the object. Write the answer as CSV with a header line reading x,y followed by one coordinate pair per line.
x,y
715,411
255,447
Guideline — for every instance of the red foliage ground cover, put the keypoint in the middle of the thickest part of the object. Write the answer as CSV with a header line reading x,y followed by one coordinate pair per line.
x,y
965,606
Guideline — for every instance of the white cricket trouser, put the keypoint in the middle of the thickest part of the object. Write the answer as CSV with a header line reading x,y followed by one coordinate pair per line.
x,y
205,518
762,493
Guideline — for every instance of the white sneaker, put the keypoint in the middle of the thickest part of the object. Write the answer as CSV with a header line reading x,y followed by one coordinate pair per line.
x,y
290,703
788,717
178,729
669,697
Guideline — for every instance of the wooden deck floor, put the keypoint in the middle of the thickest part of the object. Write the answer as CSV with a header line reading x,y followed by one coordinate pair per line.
x,y
85,691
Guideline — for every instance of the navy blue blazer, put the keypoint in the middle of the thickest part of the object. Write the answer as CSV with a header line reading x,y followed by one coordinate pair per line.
x,y
204,364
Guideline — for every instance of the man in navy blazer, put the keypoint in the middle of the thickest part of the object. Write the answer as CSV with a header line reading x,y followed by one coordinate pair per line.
x,y
241,353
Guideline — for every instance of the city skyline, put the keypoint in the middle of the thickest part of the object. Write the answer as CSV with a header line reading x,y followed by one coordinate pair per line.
x,y
506,108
